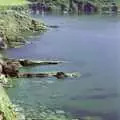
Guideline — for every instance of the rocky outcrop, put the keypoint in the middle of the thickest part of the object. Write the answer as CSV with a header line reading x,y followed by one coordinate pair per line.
x,y
58,75
30,62
15,26
3,45
25,62
10,68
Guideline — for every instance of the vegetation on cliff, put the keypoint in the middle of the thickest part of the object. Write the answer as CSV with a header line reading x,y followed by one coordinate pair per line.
x,y
14,26
13,2
66,2
6,108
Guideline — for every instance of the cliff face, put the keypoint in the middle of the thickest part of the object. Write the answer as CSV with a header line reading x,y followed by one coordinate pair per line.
x,y
14,26
77,5
6,110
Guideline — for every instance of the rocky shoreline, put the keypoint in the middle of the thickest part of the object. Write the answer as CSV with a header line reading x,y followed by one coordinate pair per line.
x,y
16,26
9,69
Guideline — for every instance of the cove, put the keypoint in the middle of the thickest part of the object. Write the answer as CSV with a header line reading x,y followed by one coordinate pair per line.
x,y
89,45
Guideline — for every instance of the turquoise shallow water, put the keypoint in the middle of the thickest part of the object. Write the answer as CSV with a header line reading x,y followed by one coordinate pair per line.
x,y
91,46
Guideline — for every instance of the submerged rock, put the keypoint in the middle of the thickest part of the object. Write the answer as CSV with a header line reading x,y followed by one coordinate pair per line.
x,y
53,26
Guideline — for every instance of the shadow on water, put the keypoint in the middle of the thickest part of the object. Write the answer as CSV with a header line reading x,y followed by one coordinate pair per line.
x,y
84,114
86,75
96,89
97,96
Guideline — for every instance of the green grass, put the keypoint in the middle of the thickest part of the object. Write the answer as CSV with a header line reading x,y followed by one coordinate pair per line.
x,y
118,1
12,2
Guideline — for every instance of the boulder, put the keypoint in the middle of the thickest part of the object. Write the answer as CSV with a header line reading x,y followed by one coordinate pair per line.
x,y
10,69
60,75
3,45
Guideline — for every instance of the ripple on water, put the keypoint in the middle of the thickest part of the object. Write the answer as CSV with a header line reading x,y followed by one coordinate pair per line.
x,y
96,89
44,113
20,113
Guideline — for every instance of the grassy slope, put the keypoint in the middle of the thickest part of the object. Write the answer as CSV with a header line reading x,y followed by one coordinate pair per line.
x,y
118,1
12,2
6,106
